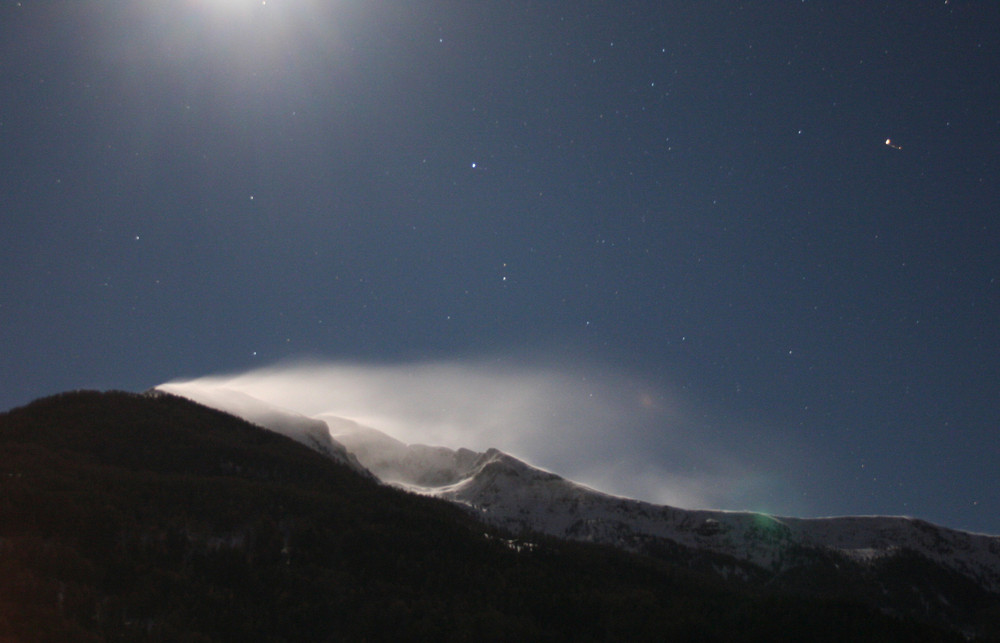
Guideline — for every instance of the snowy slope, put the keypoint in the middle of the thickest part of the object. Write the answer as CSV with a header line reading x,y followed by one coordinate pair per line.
x,y
412,466
507,492
510,493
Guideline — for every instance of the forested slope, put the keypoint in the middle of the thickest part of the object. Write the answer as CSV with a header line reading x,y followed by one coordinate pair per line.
x,y
148,517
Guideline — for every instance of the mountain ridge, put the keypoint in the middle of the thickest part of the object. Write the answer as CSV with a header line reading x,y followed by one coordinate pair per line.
x,y
466,476
151,517
879,551
521,497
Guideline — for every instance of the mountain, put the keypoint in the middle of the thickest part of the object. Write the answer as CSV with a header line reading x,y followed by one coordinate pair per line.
x,y
900,565
151,517
313,433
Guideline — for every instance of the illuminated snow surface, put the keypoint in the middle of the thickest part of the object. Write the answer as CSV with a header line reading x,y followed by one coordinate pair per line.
x,y
509,493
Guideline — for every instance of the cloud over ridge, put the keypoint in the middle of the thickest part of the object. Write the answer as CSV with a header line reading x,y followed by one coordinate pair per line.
x,y
589,423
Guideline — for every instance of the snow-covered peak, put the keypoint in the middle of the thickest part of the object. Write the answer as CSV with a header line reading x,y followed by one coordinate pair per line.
x,y
415,466
510,493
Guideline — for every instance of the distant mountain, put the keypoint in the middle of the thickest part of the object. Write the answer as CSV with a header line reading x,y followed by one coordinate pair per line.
x,y
153,518
900,565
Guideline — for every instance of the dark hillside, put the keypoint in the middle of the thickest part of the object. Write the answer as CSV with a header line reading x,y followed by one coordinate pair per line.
x,y
149,518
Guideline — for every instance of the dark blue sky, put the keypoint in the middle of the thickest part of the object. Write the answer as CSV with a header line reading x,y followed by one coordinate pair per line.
x,y
700,194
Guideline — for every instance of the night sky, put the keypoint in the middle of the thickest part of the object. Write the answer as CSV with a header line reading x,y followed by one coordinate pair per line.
x,y
782,216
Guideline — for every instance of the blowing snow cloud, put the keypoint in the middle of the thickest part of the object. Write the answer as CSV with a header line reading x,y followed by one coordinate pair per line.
x,y
590,424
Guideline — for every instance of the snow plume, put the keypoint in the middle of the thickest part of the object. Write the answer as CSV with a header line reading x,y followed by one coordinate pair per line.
x,y
587,423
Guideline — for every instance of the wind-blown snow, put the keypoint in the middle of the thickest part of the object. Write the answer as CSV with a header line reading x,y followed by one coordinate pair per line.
x,y
588,420
510,493
312,432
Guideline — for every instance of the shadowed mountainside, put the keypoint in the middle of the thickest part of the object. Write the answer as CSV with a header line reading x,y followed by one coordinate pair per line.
x,y
149,517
